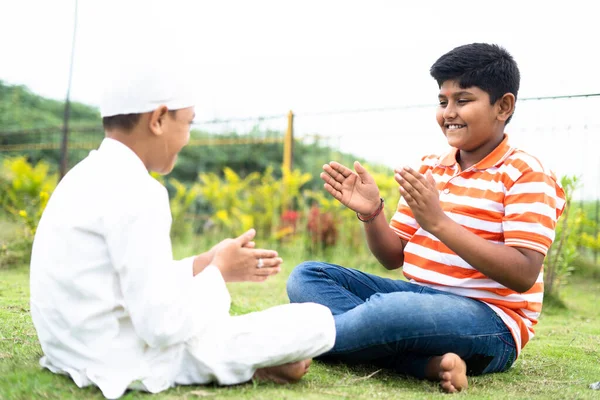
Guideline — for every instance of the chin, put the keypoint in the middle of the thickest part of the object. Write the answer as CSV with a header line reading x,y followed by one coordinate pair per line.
x,y
453,142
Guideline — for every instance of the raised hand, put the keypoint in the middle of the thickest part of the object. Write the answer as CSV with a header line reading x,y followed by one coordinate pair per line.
x,y
239,261
356,190
421,195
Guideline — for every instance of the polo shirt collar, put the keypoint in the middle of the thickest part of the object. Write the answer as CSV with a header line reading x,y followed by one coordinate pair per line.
x,y
496,157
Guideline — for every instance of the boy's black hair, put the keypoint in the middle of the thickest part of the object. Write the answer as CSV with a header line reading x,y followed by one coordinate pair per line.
x,y
125,122
486,66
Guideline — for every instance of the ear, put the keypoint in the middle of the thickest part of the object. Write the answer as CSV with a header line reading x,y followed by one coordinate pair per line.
x,y
505,106
157,120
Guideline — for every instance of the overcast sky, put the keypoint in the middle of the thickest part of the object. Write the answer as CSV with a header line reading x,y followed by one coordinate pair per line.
x,y
261,57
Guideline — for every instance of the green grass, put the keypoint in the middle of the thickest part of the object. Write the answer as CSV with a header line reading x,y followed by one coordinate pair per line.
x,y
559,363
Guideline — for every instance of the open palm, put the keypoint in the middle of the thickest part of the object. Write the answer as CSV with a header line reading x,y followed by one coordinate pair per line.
x,y
356,190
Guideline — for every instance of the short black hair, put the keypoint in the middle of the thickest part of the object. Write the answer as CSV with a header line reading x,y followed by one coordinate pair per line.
x,y
125,122
486,66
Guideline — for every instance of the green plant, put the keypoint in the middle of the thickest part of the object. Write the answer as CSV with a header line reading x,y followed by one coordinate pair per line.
x,y
26,190
24,193
559,260
255,201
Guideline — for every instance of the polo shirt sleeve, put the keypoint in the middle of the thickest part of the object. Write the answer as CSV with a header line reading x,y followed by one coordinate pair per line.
x,y
532,205
403,221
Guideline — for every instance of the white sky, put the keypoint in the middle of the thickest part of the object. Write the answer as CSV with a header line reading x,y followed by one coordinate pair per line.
x,y
267,57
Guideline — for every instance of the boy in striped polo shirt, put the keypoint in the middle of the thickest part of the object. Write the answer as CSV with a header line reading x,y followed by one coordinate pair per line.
x,y
471,232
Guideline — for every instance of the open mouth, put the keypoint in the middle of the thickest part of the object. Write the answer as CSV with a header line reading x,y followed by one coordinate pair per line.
x,y
454,126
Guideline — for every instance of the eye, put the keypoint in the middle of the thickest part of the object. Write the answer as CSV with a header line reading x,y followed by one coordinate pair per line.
x,y
463,101
443,103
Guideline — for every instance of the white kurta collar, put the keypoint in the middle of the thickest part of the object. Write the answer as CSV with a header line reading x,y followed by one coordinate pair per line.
x,y
122,154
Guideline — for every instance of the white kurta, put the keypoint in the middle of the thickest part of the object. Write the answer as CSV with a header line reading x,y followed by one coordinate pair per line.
x,y
112,308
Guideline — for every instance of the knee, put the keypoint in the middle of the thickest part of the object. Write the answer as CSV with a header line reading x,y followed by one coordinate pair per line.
x,y
300,277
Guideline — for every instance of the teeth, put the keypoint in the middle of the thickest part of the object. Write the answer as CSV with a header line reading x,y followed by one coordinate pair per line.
x,y
455,126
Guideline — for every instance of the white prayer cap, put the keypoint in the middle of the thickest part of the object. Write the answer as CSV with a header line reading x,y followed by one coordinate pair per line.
x,y
135,90
146,68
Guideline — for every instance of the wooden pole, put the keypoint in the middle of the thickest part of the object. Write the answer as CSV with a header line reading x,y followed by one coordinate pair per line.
x,y
288,143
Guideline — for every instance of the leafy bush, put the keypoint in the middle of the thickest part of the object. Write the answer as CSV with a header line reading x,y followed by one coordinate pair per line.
x,y
24,193
559,262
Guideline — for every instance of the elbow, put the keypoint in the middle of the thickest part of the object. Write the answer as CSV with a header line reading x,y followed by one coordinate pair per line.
x,y
391,265
524,285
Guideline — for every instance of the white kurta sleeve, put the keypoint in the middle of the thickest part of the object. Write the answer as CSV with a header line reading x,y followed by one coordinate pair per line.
x,y
166,303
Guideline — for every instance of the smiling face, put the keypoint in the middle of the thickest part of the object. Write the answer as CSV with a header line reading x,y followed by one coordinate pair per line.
x,y
467,118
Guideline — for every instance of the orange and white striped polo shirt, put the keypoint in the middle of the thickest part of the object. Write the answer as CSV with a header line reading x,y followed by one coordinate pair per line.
x,y
508,197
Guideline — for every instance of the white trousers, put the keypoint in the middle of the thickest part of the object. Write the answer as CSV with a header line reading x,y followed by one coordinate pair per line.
x,y
230,352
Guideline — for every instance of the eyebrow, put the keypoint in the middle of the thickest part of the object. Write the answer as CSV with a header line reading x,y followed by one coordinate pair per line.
x,y
457,94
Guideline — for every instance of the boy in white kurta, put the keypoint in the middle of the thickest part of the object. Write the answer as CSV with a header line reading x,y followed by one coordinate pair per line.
x,y
110,305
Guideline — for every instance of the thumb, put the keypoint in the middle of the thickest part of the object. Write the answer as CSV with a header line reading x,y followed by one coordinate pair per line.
x,y
246,237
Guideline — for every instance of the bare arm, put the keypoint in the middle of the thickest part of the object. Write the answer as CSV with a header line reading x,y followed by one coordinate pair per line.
x,y
359,192
515,268
384,243
202,261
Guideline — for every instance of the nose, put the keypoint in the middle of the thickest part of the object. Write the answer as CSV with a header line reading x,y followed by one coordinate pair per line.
x,y
449,111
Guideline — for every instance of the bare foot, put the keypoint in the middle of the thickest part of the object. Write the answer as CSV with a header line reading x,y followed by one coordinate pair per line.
x,y
450,370
282,374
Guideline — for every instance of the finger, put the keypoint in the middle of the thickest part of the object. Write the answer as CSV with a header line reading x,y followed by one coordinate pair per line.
x,y
246,237
267,271
331,181
331,190
404,184
406,196
416,179
250,245
270,262
342,169
264,253
337,171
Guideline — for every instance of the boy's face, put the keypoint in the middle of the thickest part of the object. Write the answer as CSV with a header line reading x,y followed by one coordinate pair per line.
x,y
466,117
176,135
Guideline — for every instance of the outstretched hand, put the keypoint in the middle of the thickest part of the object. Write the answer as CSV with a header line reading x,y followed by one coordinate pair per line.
x,y
356,190
421,195
239,260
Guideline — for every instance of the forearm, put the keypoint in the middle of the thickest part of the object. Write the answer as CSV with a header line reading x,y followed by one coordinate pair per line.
x,y
202,261
384,243
504,264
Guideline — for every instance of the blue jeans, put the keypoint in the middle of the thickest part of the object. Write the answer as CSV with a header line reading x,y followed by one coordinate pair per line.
x,y
400,325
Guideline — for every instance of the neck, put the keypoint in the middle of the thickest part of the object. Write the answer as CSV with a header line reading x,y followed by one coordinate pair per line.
x,y
467,159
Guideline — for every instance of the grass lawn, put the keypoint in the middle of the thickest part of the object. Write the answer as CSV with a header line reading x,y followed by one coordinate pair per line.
x,y
559,363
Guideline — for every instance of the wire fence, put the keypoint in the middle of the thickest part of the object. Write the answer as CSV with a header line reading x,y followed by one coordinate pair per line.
x,y
562,131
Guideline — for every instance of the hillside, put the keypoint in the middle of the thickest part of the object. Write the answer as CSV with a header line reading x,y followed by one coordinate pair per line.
x,y
32,125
